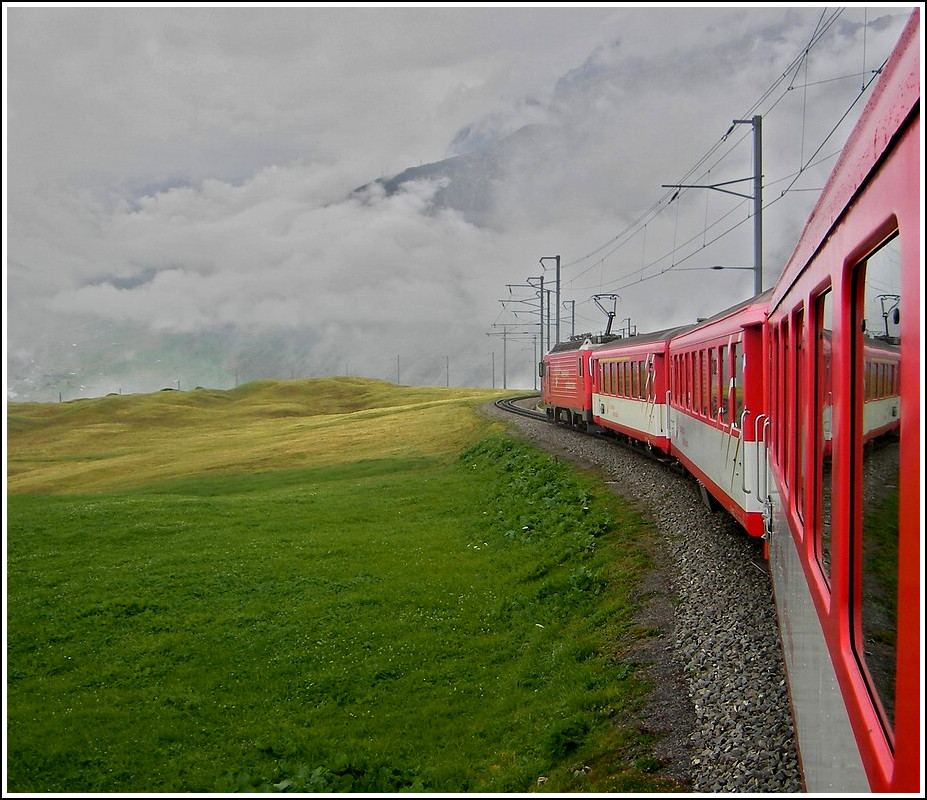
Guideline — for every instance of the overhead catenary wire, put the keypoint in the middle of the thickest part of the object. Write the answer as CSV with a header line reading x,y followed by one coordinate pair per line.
x,y
639,224
660,205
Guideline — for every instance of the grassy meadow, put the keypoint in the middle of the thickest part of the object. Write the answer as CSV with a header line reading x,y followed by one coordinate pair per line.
x,y
332,585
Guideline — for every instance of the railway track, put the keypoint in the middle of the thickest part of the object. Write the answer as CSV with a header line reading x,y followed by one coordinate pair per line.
x,y
510,404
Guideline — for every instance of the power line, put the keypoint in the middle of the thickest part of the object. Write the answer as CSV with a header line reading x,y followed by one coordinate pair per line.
x,y
637,225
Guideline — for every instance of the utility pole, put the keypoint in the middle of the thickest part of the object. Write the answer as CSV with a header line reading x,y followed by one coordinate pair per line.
x,y
538,286
572,304
557,291
505,337
537,358
757,122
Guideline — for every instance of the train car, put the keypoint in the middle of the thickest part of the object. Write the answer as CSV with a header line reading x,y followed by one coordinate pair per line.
x,y
845,522
717,403
566,385
629,388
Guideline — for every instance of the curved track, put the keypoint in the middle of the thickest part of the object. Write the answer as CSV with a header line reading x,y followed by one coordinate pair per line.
x,y
510,404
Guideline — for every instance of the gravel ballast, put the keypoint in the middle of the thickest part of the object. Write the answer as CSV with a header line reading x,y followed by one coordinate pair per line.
x,y
721,706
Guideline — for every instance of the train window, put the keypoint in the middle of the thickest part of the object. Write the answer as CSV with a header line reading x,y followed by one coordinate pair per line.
x,y
875,476
697,382
737,357
691,380
684,380
687,372
706,382
715,402
725,384
784,421
773,397
801,414
824,396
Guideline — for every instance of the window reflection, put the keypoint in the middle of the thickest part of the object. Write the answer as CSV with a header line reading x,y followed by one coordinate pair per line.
x,y
877,425
825,402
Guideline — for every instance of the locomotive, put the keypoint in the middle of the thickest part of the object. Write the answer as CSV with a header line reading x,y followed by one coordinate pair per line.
x,y
799,411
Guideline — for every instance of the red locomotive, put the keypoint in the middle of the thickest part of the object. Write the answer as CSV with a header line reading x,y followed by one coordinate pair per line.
x,y
799,411
565,383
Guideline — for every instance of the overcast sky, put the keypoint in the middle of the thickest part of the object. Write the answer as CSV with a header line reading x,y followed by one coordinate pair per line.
x,y
178,181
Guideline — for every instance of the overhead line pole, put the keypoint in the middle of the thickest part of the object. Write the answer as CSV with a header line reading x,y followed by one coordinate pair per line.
x,y
557,292
505,335
757,123
757,196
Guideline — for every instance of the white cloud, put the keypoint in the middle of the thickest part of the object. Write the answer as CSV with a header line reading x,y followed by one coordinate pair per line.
x,y
188,172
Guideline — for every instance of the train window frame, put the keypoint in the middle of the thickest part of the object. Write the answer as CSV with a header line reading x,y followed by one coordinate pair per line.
x,y
688,371
724,369
801,411
738,401
822,480
784,420
697,390
773,401
862,392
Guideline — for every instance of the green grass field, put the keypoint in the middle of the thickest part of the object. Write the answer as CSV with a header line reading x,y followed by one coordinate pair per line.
x,y
241,591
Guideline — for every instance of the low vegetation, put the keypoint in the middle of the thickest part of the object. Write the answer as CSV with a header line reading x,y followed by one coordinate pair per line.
x,y
434,607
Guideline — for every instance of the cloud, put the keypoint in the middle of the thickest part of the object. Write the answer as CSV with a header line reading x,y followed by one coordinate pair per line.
x,y
181,181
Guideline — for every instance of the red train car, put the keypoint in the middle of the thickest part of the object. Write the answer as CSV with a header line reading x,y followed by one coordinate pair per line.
x,y
718,408
846,532
566,384
629,387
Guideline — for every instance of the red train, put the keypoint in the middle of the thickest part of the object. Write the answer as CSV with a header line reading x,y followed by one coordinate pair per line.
x,y
799,411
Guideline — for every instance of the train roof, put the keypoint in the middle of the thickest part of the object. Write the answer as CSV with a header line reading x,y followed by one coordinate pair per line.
x,y
760,300
586,342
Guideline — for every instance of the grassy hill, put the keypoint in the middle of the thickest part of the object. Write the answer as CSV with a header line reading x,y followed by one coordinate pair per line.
x,y
124,441
302,586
